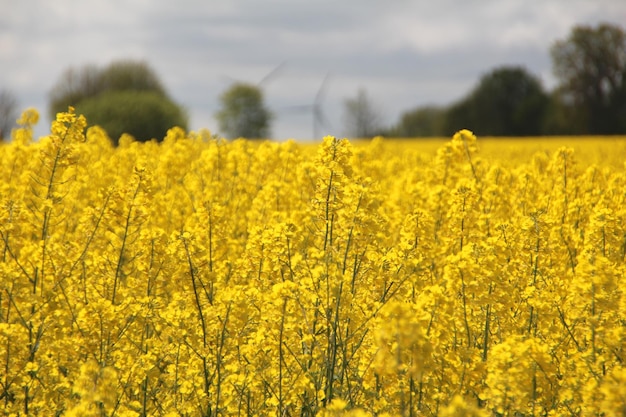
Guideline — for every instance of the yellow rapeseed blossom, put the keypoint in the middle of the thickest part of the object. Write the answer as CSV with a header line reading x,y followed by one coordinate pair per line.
x,y
199,276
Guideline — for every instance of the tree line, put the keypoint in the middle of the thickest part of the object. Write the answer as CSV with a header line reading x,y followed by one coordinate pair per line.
x,y
590,99
124,97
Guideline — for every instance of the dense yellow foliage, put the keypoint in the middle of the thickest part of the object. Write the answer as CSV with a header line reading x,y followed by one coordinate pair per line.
x,y
199,276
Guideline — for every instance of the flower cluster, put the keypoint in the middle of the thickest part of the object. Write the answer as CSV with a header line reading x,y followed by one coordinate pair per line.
x,y
202,277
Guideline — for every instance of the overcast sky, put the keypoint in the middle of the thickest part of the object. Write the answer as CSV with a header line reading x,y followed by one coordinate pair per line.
x,y
403,53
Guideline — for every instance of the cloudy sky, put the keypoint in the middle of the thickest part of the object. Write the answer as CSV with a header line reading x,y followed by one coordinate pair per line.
x,y
404,53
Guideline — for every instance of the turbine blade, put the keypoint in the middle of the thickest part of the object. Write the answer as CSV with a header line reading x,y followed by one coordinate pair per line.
x,y
272,73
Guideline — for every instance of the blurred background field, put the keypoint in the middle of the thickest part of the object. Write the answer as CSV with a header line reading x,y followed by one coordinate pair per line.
x,y
600,150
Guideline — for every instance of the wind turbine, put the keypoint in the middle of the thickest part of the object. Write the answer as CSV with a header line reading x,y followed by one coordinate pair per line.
x,y
319,120
266,78
271,74
243,111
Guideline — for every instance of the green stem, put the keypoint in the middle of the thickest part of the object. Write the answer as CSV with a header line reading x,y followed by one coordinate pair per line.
x,y
120,259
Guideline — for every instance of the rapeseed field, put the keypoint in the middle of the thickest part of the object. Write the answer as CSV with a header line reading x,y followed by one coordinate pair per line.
x,y
205,277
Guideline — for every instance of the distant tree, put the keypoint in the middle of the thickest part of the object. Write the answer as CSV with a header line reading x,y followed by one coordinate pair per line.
x,y
591,68
93,91
75,85
128,75
243,113
508,101
420,122
145,115
361,117
562,116
460,115
8,113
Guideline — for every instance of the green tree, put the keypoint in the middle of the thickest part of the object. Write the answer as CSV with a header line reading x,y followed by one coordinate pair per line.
x,y
460,115
361,117
145,115
128,75
424,121
591,68
508,101
561,116
8,113
243,113
124,97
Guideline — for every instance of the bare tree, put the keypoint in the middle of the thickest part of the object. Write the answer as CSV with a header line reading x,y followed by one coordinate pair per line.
x,y
8,113
362,118
74,85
